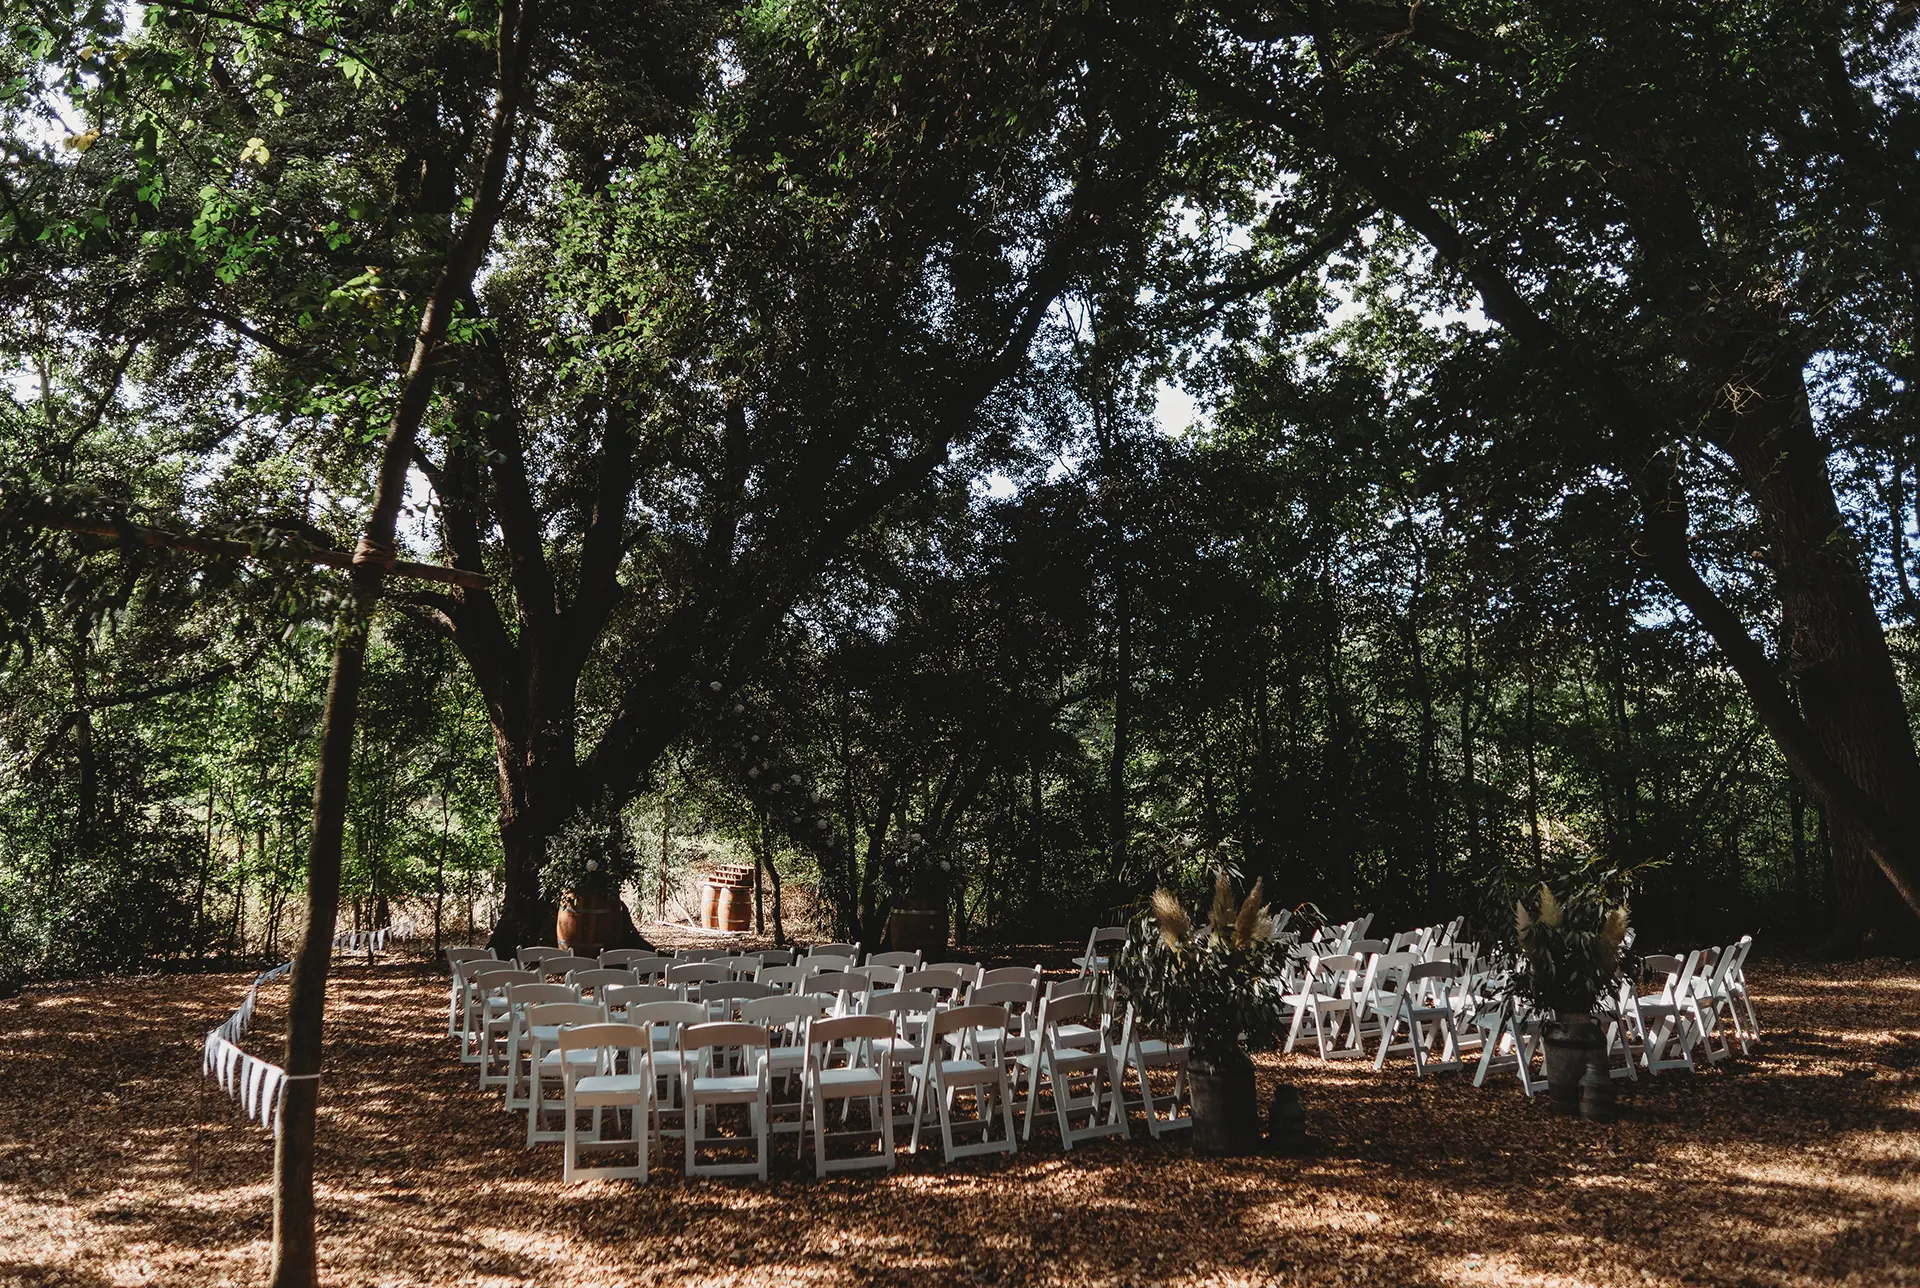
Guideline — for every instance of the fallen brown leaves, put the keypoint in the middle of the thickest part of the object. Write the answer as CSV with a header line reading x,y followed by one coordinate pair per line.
x,y
1797,1165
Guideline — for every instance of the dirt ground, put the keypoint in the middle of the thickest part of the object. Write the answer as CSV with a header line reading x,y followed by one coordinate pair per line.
x,y
1797,1165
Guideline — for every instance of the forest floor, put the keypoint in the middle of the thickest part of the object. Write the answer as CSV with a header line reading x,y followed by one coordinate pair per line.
x,y
1800,1164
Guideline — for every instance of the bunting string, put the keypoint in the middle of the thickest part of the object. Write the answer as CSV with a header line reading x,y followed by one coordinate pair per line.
x,y
256,1084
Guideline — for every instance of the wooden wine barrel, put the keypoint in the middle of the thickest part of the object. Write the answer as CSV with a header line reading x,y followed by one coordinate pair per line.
x,y
921,928
588,925
733,908
709,903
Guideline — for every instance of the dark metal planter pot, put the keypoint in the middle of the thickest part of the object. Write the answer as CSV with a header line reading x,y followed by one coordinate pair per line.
x,y
1572,1045
1226,1113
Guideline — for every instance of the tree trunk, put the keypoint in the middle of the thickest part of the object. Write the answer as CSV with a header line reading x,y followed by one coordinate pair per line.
x,y
1834,649
295,1258
1122,722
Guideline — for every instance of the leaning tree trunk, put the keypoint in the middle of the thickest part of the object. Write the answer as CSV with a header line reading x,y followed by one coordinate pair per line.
x,y
295,1259
1833,647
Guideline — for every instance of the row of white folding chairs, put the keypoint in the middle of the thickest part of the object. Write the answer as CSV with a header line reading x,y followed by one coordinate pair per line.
x,y
1404,1004
1698,1007
642,966
1068,1049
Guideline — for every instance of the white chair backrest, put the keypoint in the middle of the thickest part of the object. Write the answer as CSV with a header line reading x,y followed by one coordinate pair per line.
x,y
775,956
519,995
564,1013
969,971
784,978
665,1020
963,1019
592,981
723,1000
699,973
566,963
619,997
1018,1000
789,1013
910,960
1011,974
881,978
849,951
712,1044
946,982
857,1034
827,961
626,956
533,953
841,983
498,981
743,967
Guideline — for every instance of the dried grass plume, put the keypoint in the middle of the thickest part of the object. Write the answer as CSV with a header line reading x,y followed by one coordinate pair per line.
x,y
1221,921
1252,916
1175,926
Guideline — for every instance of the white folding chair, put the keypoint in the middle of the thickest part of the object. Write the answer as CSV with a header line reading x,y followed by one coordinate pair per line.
x,y
1424,1005
849,991
1019,1000
1511,1034
1142,1056
941,1077
455,958
725,1064
1068,1045
911,1015
743,966
620,998
785,1018
663,1022
602,1086
1736,984
543,1025
968,971
1094,961
469,979
1325,997
519,998
490,1020
847,1061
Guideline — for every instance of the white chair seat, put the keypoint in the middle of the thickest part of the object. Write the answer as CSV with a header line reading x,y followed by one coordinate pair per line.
x,y
966,1072
714,1088
552,1058
852,1081
618,1084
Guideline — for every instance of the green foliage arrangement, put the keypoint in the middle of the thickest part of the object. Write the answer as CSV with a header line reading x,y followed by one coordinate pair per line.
x,y
591,854
1221,987
1569,942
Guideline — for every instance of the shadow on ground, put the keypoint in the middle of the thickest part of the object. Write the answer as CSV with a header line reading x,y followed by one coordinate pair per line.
x,y
1797,1165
